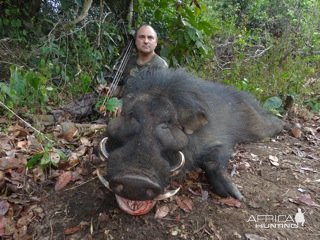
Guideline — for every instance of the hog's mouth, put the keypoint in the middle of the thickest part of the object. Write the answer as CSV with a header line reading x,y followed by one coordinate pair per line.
x,y
138,207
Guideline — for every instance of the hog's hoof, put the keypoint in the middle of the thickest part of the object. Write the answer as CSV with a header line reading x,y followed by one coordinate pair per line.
x,y
224,187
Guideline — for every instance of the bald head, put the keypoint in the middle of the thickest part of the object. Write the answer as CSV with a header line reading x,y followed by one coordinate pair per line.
x,y
146,40
146,26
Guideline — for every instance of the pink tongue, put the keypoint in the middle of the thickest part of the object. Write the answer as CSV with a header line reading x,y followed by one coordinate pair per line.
x,y
133,207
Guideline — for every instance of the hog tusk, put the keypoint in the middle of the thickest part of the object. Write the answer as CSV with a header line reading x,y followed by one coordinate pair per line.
x,y
103,180
176,170
102,149
167,194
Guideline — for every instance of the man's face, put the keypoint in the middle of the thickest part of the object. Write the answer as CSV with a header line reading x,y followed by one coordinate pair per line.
x,y
146,40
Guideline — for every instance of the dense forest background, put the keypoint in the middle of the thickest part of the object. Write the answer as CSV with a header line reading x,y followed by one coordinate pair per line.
x,y
53,51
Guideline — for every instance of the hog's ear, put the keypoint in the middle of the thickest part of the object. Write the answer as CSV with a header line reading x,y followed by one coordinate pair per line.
x,y
191,109
192,120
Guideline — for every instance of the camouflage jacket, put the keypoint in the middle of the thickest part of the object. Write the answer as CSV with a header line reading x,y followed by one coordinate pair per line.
x,y
133,67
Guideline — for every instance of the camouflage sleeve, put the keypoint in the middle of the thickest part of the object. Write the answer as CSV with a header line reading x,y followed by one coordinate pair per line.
x,y
159,62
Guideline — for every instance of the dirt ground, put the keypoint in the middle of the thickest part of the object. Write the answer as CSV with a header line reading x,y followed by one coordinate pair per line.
x,y
277,177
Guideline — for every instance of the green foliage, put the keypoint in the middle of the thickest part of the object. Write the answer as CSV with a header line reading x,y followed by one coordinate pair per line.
x,y
313,104
267,47
111,105
70,59
25,88
74,61
274,105
278,72
10,18
49,157
265,16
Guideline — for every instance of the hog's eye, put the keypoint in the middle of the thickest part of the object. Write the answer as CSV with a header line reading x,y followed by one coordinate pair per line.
x,y
130,114
166,124
169,122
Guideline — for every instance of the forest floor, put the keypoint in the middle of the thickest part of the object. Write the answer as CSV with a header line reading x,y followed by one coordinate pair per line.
x,y
277,177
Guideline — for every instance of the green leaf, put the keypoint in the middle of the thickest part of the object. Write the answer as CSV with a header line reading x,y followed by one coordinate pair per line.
x,y
45,160
4,88
17,81
158,15
113,104
34,160
192,34
164,3
206,27
273,103
34,79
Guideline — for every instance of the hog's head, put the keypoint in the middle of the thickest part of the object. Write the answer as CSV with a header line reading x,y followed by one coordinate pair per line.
x,y
144,147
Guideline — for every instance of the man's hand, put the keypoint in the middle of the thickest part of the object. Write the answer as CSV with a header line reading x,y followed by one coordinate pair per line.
x,y
115,113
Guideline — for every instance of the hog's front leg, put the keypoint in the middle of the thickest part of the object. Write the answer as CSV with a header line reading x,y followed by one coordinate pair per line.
x,y
214,162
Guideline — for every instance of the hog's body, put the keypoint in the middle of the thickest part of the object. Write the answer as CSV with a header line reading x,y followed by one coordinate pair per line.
x,y
168,111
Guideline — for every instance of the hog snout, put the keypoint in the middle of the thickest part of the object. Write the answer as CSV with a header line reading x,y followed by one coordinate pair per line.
x,y
135,187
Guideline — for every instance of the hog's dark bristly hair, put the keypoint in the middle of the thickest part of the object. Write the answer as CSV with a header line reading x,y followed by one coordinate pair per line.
x,y
192,92
172,83
170,113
